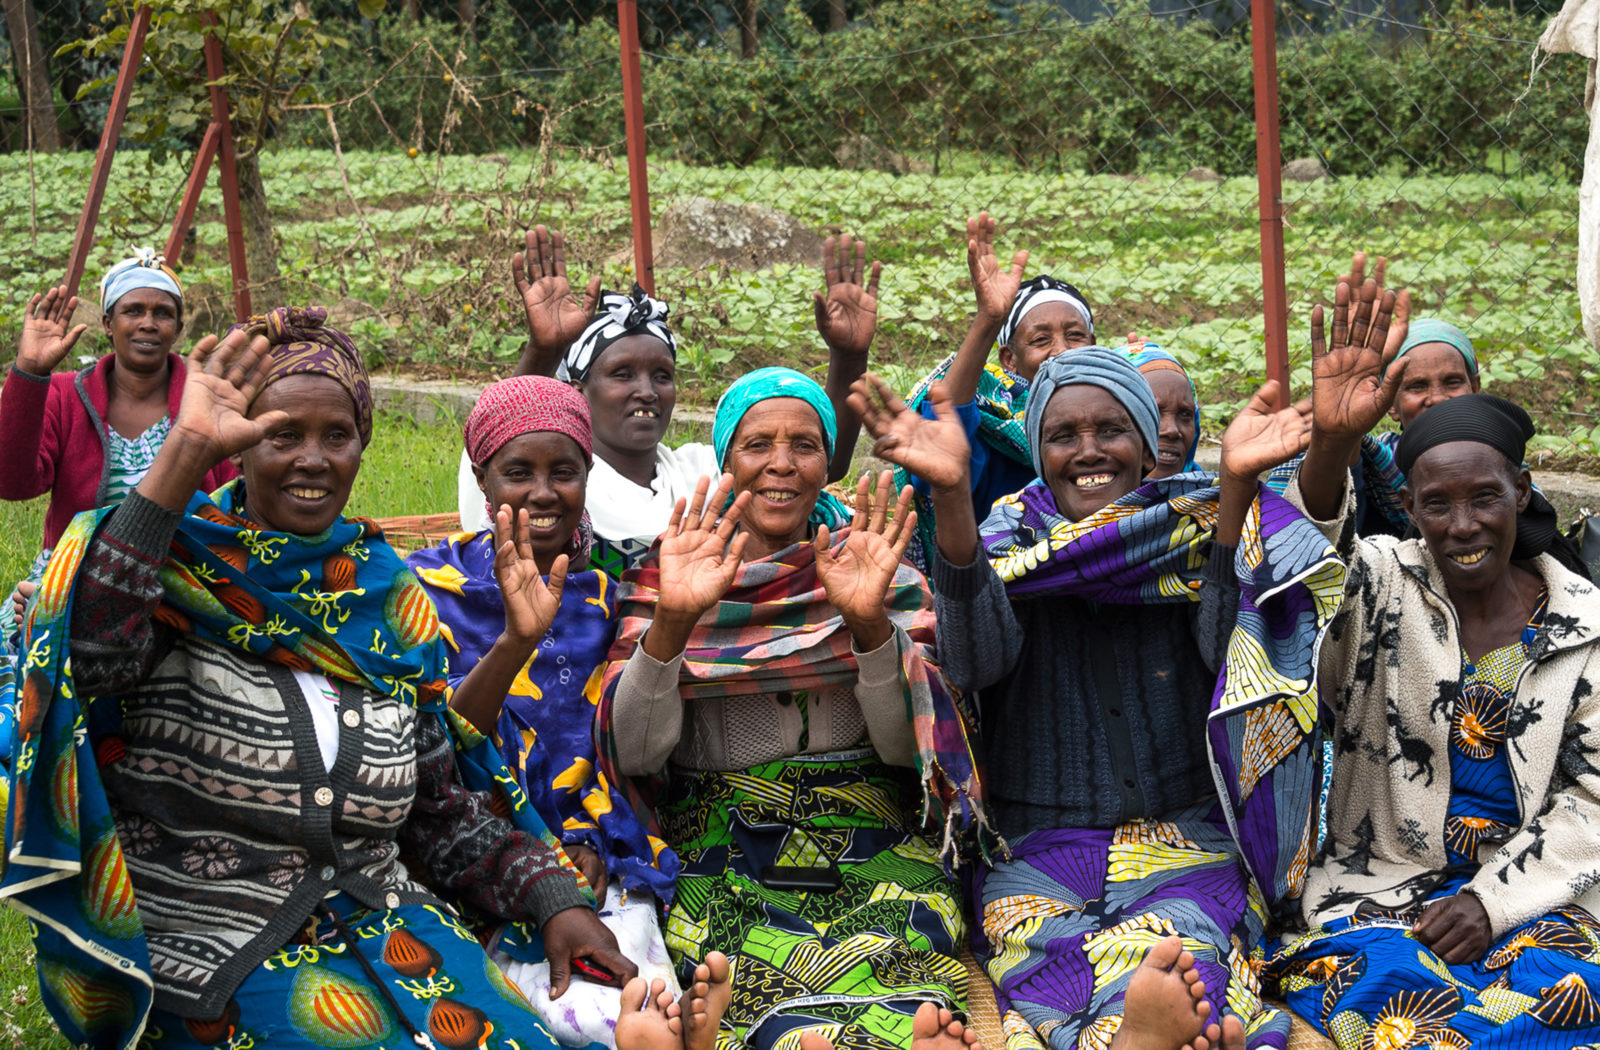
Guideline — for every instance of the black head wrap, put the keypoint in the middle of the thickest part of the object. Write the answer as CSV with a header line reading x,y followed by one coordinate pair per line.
x,y
1504,427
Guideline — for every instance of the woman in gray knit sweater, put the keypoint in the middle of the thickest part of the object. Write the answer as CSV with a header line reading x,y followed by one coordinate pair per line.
x,y
257,684
1124,914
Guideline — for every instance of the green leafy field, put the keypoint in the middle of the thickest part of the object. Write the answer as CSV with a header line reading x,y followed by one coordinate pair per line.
x,y
421,268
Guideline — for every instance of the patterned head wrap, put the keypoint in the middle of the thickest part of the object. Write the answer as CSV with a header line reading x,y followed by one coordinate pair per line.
x,y
618,316
145,269
303,345
1109,370
1037,292
526,405
1484,418
1432,330
1151,358
762,385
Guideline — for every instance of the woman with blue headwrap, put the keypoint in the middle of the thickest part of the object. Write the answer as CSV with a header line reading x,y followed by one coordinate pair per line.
x,y
1093,609
775,654
88,437
1178,431
621,353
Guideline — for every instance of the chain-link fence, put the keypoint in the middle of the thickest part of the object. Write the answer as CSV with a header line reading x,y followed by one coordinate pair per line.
x,y
404,155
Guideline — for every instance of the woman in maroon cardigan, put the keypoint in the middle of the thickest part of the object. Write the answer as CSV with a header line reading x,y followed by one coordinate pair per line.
x,y
87,437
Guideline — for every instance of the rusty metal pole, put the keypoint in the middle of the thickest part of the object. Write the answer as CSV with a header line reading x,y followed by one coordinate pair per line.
x,y
132,55
227,172
644,266
1269,179
191,194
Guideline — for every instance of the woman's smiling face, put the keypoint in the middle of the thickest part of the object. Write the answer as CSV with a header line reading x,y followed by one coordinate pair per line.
x,y
1465,497
1045,331
1090,450
544,473
779,454
298,478
631,389
1179,421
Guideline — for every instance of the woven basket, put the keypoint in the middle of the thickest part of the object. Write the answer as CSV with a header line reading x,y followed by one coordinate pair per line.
x,y
411,532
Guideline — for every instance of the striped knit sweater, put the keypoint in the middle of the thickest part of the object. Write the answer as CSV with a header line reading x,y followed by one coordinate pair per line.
x,y
232,829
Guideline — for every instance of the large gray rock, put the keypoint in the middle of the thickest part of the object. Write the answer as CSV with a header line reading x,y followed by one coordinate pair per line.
x,y
1201,173
700,233
1304,169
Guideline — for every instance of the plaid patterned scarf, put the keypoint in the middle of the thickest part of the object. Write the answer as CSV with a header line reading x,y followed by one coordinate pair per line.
x,y
775,631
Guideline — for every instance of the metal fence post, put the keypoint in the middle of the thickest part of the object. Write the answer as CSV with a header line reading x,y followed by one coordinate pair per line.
x,y
638,176
1269,180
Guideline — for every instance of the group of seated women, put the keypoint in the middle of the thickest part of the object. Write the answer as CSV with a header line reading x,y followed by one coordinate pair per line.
x,y
677,748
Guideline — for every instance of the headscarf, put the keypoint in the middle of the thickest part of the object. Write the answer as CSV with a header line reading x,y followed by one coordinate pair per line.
x,y
1151,358
1150,548
764,384
1432,330
526,405
144,269
616,317
1483,418
1037,292
1092,366
761,385
303,345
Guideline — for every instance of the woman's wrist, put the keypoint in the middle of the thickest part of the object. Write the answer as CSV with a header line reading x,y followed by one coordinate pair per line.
x,y
869,633
666,639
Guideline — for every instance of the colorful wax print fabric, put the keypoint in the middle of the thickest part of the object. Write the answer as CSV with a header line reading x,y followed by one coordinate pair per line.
x,y
424,973
1380,483
341,604
546,727
853,964
1067,920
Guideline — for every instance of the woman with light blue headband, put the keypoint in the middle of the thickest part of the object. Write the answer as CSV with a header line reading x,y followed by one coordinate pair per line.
x,y
1440,364
88,437
776,653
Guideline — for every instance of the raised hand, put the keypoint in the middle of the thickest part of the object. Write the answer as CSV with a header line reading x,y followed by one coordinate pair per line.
x,y
48,333
935,450
994,288
555,316
847,317
856,576
700,555
1261,437
223,377
531,604
1351,389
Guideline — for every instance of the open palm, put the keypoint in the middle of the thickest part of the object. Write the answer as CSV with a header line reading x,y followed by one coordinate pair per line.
x,y
1261,437
700,555
556,318
1355,381
935,450
856,575
222,379
993,287
48,333
531,604
847,317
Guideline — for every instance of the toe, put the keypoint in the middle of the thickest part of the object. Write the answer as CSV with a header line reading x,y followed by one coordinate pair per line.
x,y
1164,953
717,967
925,1025
633,995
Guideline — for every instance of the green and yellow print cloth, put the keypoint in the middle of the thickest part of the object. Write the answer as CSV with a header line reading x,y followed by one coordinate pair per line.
x,y
853,964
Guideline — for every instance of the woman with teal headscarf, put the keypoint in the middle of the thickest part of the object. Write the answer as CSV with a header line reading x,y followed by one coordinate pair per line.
x,y
776,655
1441,364
1178,432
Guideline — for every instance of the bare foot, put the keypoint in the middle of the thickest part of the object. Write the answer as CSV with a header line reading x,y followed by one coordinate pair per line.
x,y
643,1023
708,1000
936,1028
814,1041
1163,1009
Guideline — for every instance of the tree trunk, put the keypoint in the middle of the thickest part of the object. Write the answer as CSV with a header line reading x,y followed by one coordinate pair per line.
x,y
33,74
747,28
838,17
260,239
467,11
411,9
